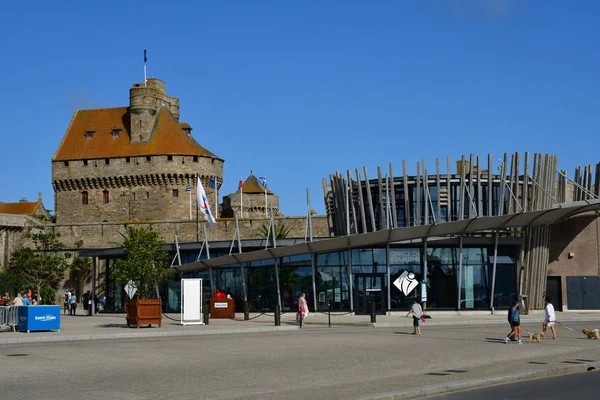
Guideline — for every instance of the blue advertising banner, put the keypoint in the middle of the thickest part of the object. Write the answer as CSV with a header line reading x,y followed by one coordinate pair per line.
x,y
39,318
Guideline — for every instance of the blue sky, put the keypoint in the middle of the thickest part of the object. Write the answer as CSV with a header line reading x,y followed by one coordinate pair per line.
x,y
297,90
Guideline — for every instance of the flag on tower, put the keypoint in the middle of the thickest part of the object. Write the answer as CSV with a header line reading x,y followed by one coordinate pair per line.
x,y
203,205
213,183
263,180
241,183
145,58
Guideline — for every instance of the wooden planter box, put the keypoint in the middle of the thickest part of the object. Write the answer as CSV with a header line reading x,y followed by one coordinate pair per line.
x,y
144,312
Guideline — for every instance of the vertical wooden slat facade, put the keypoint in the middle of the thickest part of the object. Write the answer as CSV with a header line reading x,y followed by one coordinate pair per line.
x,y
363,217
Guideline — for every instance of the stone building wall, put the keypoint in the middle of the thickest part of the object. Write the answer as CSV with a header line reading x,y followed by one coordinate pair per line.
x,y
575,249
108,234
137,189
254,204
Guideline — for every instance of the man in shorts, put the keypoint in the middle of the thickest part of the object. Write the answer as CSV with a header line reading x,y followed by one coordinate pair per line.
x,y
550,318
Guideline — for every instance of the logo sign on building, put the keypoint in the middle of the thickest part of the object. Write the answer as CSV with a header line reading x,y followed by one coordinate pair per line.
x,y
406,282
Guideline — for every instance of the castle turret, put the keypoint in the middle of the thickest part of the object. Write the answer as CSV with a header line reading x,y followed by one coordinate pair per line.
x,y
143,108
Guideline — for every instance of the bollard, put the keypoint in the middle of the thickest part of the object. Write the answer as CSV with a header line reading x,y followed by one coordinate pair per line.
x,y
277,315
329,314
246,311
373,312
205,314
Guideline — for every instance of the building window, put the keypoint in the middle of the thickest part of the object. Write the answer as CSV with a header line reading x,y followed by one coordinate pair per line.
x,y
147,195
195,158
127,159
169,158
175,192
107,161
105,197
85,162
134,197
66,163
148,158
84,197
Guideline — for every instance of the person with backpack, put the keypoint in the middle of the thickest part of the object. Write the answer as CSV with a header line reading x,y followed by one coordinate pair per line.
x,y
73,304
515,322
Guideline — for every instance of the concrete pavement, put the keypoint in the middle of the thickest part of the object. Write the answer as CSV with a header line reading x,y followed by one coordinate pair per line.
x,y
341,362
112,326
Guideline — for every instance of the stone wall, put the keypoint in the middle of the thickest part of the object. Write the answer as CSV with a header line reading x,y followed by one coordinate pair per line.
x,y
138,189
108,234
575,249
254,204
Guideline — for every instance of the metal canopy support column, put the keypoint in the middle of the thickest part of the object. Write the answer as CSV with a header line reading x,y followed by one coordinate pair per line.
x,y
275,260
389,276
425,280
496,234
460,262
350,280
314,279
94,263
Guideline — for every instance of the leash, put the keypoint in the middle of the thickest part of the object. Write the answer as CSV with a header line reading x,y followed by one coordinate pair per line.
x,y
564,326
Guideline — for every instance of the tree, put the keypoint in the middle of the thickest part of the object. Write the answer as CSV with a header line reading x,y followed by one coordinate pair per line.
x,y
45,265
144,263
81,269
281,231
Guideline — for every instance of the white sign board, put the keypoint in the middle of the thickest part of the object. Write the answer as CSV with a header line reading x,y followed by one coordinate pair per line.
x,y
423,291
191,302
130,289
220,305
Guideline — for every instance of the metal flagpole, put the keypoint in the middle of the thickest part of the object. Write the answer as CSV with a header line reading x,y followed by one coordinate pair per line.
x,y
145,59
212,287
460,262
275,260
241,198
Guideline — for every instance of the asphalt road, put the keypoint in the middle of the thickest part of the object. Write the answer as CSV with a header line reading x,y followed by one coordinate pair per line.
x,y
314,362
576,386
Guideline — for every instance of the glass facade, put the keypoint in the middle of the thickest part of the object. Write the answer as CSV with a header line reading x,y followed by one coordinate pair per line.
x,y
346,281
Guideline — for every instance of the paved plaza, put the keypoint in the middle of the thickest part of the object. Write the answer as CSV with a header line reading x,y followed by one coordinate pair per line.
x,y
252,360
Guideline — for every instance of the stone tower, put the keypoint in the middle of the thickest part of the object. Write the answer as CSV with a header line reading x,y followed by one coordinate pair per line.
x,y
251,200
131,163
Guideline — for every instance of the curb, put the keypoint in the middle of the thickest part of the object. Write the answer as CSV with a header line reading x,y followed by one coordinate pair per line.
x,y
460,386
142,335
473,322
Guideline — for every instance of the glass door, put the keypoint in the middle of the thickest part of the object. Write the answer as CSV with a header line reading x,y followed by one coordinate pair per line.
x,y
368,289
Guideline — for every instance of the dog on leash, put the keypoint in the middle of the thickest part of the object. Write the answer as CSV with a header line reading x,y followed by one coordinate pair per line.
x,y
593,334
535,337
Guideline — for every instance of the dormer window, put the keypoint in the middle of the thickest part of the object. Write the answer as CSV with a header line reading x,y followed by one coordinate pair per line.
x,y
89,133
186,128
116,132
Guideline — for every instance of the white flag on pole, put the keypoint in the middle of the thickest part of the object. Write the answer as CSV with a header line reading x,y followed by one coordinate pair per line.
x,y
203,205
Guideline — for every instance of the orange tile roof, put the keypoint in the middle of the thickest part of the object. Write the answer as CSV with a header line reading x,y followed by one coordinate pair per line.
x,y
21,208
253,185
166,138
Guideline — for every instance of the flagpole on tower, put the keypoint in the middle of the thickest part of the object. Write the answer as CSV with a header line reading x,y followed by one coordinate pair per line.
x,y
145,59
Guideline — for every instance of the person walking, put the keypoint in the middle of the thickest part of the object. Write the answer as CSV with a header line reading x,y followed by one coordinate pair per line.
x,y
303,307
417,313
550,318
515,322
